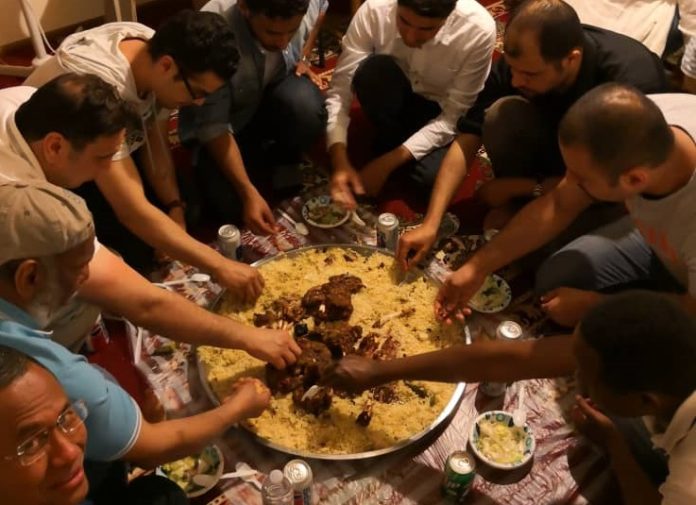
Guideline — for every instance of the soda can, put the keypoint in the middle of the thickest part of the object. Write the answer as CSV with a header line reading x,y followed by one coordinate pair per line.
x,y
230,241
387,231
460,470
508,330
299,473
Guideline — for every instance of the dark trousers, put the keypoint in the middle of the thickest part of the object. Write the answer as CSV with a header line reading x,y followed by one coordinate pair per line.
x,y
397,112
289,120
111,232
519,141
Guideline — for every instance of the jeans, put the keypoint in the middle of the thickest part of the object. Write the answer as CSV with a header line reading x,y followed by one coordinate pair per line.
x,y
397,112
289,120
519,141
611,258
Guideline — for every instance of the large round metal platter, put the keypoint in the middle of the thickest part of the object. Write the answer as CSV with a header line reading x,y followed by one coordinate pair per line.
x,y
445,414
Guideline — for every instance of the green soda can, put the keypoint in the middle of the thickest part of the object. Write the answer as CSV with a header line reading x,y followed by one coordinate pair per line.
x,y
460,470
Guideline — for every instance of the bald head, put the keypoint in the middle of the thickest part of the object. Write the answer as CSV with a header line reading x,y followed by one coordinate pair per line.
x,y
619,127
553,24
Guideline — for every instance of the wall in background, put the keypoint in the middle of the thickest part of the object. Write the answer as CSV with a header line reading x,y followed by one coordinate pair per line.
x,y
52,14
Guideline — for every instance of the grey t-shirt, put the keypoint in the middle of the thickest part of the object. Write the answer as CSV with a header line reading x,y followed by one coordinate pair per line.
x,y
669,224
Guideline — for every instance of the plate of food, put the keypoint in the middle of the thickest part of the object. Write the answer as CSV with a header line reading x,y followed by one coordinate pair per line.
x,y
196,474
496,440
338,300
322,212
494,296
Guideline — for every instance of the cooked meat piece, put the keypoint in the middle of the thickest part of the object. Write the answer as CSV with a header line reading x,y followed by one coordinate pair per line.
x,y
313,298
340,337
281,382
288,310
388,349
313,353
338,305
365,416
307,369
420,391
265,319
349,282
385,394
315,404
368,345
348,258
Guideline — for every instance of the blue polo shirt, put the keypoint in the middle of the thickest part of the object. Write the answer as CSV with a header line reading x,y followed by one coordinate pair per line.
x,y
114,419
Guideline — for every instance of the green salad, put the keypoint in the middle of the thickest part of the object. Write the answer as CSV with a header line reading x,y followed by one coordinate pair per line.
x,y
182,471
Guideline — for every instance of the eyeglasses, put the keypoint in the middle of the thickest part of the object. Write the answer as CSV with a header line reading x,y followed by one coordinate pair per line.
x,y
191,92
34,447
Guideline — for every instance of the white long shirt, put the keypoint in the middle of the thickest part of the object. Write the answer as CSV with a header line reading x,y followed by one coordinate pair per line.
x,y
450,69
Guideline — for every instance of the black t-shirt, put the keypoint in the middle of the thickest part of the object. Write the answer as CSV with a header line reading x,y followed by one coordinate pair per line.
x,y
607,56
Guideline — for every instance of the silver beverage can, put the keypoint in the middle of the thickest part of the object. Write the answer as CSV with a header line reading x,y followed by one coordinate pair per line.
x,y
299,473
230,241
507,331
387,231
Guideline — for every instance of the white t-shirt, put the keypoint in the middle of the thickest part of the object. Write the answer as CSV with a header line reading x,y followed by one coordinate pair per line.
x,y
679,442
647,21
72,323
669,224
97,52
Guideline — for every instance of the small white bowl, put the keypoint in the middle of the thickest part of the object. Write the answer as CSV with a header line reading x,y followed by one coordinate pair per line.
x,y
212,454
506,418
322,201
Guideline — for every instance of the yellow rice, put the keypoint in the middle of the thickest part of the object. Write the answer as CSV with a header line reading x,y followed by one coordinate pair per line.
x,y
335,431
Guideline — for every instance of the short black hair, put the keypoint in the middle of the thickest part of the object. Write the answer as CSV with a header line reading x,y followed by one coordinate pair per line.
x,y
646,343
555,23
198,42
81,108
430,8
13,365
283,9
620,127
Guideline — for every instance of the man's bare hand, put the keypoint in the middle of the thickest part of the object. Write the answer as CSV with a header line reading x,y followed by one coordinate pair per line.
x,y
567,306
243,282
276,347
414,245
455,293
353,373
258,216
250,395
305,69
345,183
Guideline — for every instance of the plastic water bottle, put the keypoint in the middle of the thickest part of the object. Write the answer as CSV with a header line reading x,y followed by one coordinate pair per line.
x,y
277,490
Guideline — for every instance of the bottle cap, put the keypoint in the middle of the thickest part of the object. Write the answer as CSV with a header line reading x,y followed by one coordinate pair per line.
x,y
276,477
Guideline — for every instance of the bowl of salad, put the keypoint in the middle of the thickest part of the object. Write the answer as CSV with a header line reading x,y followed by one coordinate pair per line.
x,y
322,212
493,296
209,463
496,440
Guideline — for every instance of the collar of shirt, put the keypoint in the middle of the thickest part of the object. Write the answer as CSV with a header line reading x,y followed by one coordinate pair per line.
x,y
10,312
679,427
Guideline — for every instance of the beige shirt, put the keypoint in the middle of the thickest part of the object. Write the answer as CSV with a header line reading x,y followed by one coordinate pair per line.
x,y
679,442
